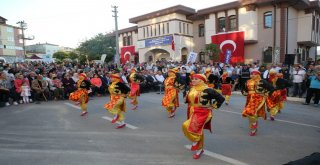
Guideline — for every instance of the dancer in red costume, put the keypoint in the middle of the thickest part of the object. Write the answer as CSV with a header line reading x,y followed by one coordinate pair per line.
x,y
172,86
116,106
226,86
256,91
135,80
81,95
201,101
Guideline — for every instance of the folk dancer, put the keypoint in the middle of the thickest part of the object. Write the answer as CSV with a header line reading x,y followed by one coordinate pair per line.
x,y
226,86
81,94
116,106
275,101
256,90
201,101
134,80
170,99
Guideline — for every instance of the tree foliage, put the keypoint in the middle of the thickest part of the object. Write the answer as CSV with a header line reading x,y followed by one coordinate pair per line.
x,y
213,51
98,45
73,55
60,55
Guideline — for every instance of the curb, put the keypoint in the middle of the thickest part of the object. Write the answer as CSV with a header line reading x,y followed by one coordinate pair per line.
x,y
295,99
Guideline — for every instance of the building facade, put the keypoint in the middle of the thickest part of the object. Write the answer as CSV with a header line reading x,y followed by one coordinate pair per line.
x,y
45,50
11,45
274,31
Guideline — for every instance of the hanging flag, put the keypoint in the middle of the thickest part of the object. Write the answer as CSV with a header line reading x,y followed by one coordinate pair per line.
x,y
126,53
172,43
231,46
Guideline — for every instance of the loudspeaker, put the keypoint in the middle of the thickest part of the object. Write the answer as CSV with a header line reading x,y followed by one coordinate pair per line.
x,y
289,59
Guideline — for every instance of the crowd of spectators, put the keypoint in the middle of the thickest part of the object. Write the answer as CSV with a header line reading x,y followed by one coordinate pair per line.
x,y
23,83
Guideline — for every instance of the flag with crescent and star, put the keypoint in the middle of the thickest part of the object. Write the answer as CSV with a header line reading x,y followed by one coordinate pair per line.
x,y
126,53
231,46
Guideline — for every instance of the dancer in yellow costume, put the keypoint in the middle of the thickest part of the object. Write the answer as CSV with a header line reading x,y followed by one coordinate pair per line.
x,y
81,94
201,101
256,91
116,106
170,99
135,80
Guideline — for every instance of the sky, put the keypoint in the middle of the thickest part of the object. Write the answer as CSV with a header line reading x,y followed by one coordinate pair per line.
x,y
70,22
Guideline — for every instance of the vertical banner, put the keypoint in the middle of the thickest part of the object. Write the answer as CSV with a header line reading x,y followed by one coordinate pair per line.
x,y
231,46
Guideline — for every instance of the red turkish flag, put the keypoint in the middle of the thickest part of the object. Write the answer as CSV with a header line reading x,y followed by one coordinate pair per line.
x,y
233,43
172,43
126,53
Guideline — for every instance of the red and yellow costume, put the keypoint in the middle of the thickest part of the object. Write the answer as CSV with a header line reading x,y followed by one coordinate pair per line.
x,y
275,102
255,103
226,87
116,105
135,88
81,94
170,99
199,112
208,73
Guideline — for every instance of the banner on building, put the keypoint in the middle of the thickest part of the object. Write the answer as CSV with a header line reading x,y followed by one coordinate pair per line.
x,y
231,46
192,57
127,53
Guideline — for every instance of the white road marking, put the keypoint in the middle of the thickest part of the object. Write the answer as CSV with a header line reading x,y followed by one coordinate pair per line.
x,y
72,105
220,157
284,121
127,125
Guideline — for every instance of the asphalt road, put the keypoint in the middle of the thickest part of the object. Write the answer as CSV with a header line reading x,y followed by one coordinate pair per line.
x,y
54,133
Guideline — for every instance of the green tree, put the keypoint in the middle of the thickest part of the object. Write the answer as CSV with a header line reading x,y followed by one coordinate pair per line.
x,y
73,55
60,55
98,45
213,51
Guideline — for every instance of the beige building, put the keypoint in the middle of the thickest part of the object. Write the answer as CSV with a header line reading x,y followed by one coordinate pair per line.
x,y
272,29
11,46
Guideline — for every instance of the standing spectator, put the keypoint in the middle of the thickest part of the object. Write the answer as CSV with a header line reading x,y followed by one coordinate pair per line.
x,y
25,92
17,88
314,89
297,79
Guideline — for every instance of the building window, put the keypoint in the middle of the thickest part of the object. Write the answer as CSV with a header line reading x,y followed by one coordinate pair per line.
x,y
222,24
124,41
267,55
144,32
168,27
313,22
129,40
201,30
187,28
151,31
155,30
184,28
267,19
159,29
147,31
163,31
232,23
9,29
179,27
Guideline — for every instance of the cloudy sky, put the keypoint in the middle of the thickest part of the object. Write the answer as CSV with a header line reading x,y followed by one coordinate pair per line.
x,y
69,22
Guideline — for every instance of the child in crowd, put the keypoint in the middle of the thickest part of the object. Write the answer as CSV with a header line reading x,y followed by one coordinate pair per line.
x,y
25,92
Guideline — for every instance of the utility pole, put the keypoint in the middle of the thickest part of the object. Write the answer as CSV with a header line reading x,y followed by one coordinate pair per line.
x,y
23,26
115,12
